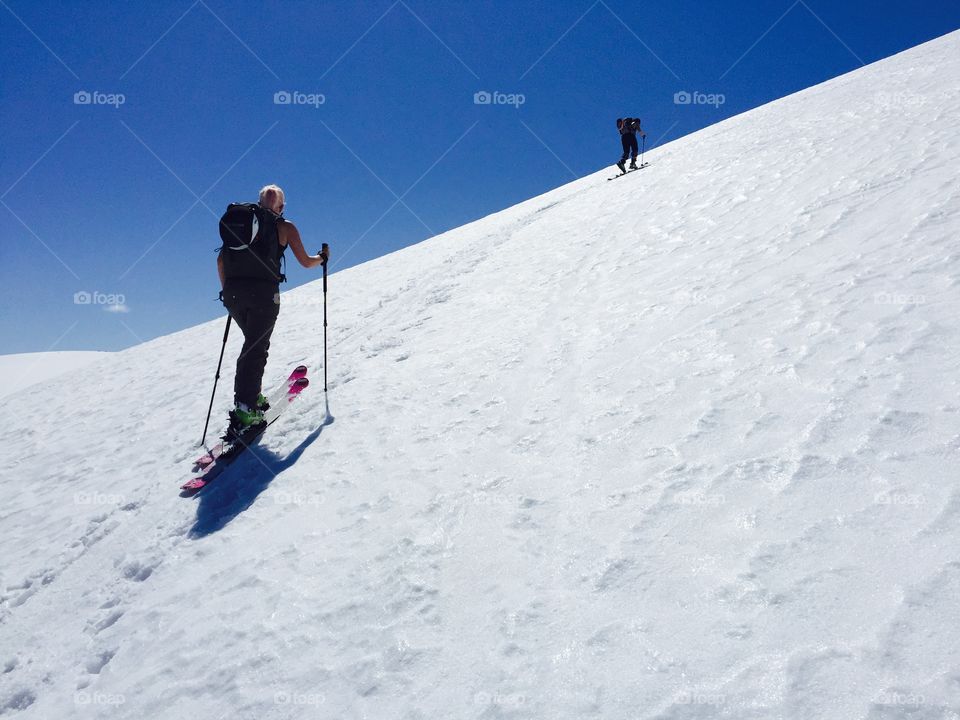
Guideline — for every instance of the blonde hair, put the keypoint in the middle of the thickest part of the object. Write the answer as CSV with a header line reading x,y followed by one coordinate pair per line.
x,y
271,196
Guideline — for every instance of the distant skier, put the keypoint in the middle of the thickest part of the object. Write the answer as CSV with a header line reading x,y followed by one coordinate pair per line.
x,y
255,236
629,127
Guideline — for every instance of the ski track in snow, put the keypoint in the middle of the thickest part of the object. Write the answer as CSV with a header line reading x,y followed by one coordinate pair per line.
x,y
676,447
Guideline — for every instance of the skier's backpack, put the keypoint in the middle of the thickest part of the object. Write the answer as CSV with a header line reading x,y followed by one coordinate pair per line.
x,y
251,246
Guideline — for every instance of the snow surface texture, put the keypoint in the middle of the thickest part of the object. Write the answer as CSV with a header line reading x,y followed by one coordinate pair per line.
x,y
680,446
22,370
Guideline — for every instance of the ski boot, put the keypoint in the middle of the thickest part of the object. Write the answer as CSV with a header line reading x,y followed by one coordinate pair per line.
x,y
242,419
633,164
622,166
262,404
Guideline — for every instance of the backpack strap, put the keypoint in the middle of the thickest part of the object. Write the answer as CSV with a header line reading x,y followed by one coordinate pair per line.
x,y
283,249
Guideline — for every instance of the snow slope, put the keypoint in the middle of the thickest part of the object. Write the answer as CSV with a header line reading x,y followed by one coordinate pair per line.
x,y
21,370
678,446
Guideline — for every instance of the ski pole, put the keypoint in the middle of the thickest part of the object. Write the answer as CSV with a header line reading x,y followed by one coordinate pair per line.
x,y
216,378
643,148
325,251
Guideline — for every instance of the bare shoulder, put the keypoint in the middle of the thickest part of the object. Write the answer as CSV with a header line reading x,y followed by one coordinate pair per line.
x,y
287,231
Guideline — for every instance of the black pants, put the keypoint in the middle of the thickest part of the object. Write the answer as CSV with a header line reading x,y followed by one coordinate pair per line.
x,y
630,147
254,307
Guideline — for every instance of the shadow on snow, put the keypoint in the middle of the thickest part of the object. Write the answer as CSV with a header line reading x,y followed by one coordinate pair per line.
x,y
243,481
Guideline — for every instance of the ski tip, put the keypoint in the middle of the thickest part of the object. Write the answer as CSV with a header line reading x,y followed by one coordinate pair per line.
x,y
194,484
298,385
298,372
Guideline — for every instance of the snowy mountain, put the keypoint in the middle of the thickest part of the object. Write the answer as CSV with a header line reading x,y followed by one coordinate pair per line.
x,y
22,370
682,445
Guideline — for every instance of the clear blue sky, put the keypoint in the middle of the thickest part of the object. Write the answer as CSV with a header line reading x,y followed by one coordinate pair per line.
x,y
104,198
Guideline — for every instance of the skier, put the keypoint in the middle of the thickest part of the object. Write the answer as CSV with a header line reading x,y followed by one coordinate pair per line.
x,y
250,279
629,127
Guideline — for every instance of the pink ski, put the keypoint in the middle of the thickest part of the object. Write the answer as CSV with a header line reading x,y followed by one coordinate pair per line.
x,y
210,457
226,454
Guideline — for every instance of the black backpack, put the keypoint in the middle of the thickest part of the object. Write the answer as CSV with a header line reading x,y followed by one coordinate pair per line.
x,y
251,243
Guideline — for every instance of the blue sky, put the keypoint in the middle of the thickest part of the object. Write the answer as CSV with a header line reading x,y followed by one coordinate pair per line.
x,y
121,199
